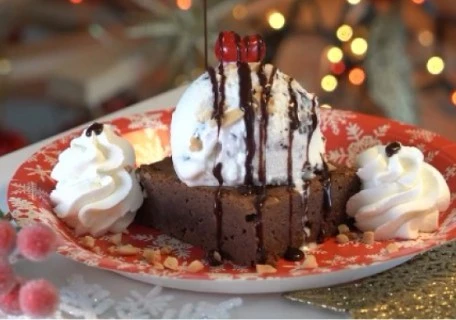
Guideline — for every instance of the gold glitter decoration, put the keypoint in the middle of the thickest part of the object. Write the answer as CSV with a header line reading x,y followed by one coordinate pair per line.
x,y
424,287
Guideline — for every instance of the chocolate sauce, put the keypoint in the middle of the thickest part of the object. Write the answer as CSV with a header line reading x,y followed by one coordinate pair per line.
x,y
292,254
392,148
266,87
325,180
96,128
219,107
246,105
205,33
218,209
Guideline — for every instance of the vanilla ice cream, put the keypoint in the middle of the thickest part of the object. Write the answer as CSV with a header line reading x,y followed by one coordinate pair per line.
x,y
97,190
402,195
252,122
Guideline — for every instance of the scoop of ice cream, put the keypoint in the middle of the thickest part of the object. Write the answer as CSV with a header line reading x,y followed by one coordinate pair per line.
x,y
252,122
402,195
97,190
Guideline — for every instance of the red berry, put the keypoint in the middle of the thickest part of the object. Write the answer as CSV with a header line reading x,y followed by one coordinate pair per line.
x,y
7,277
254,48
38,298
228,47
7,237
36,242
9,302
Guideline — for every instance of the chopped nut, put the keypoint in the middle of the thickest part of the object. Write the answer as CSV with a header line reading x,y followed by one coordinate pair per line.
x,y
204,115
368,237
265,268
116,239
159,266
152,255
392,247
195,266
166,250
231,117
97,250
310,262
88,242
195,144
171,263
125,250
342,238
343,228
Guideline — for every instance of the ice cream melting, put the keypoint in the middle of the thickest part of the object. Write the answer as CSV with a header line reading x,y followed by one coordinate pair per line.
x,y
97,190
248,124
402,194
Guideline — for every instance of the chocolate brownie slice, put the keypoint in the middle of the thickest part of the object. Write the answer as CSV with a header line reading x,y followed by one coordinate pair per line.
x,y
187,213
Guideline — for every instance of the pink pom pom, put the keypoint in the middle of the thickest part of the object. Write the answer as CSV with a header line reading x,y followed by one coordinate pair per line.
x,y
36,242
7,237
9,302
38,298
7,277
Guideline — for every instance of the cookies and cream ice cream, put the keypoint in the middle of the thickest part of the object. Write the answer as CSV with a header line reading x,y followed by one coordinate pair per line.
x,y
401,194
97,190
247,124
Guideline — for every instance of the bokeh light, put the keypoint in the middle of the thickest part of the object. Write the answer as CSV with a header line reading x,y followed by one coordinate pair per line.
x,y
357,76
184,4
344,32
435,65
453,97
239,11
418,1
335,54
353,1
426,38
359,46
329,83
76,1
5,67
276,20
337,68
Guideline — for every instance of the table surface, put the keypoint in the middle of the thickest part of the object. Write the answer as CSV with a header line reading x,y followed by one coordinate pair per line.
x,y
59,269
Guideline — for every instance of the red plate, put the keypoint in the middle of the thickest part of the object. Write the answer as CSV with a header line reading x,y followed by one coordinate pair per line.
x,y
347,134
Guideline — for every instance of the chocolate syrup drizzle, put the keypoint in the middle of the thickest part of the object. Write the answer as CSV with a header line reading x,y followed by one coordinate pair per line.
x,y
218,209
291,254
246,105
266,86
96,128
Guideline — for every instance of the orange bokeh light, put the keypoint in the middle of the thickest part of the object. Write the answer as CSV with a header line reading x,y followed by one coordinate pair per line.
x,y
357,76
184,4
453,97
418,1
76,1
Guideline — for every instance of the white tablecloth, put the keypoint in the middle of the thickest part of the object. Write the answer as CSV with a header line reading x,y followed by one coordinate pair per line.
x,y
59,270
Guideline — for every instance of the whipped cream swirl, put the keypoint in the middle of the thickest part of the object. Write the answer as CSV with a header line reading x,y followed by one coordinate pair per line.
x,y
97,190
402,195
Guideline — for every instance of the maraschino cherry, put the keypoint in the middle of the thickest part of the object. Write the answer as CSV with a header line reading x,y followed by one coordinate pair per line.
x,y
230,48
254,48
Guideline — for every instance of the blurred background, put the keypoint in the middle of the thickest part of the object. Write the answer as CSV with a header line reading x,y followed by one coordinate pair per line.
x,y
65,62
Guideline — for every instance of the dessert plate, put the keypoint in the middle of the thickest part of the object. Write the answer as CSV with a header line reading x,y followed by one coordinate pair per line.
x,y
347,134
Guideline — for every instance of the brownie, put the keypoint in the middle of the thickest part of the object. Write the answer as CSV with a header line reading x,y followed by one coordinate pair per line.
x,y
189,214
